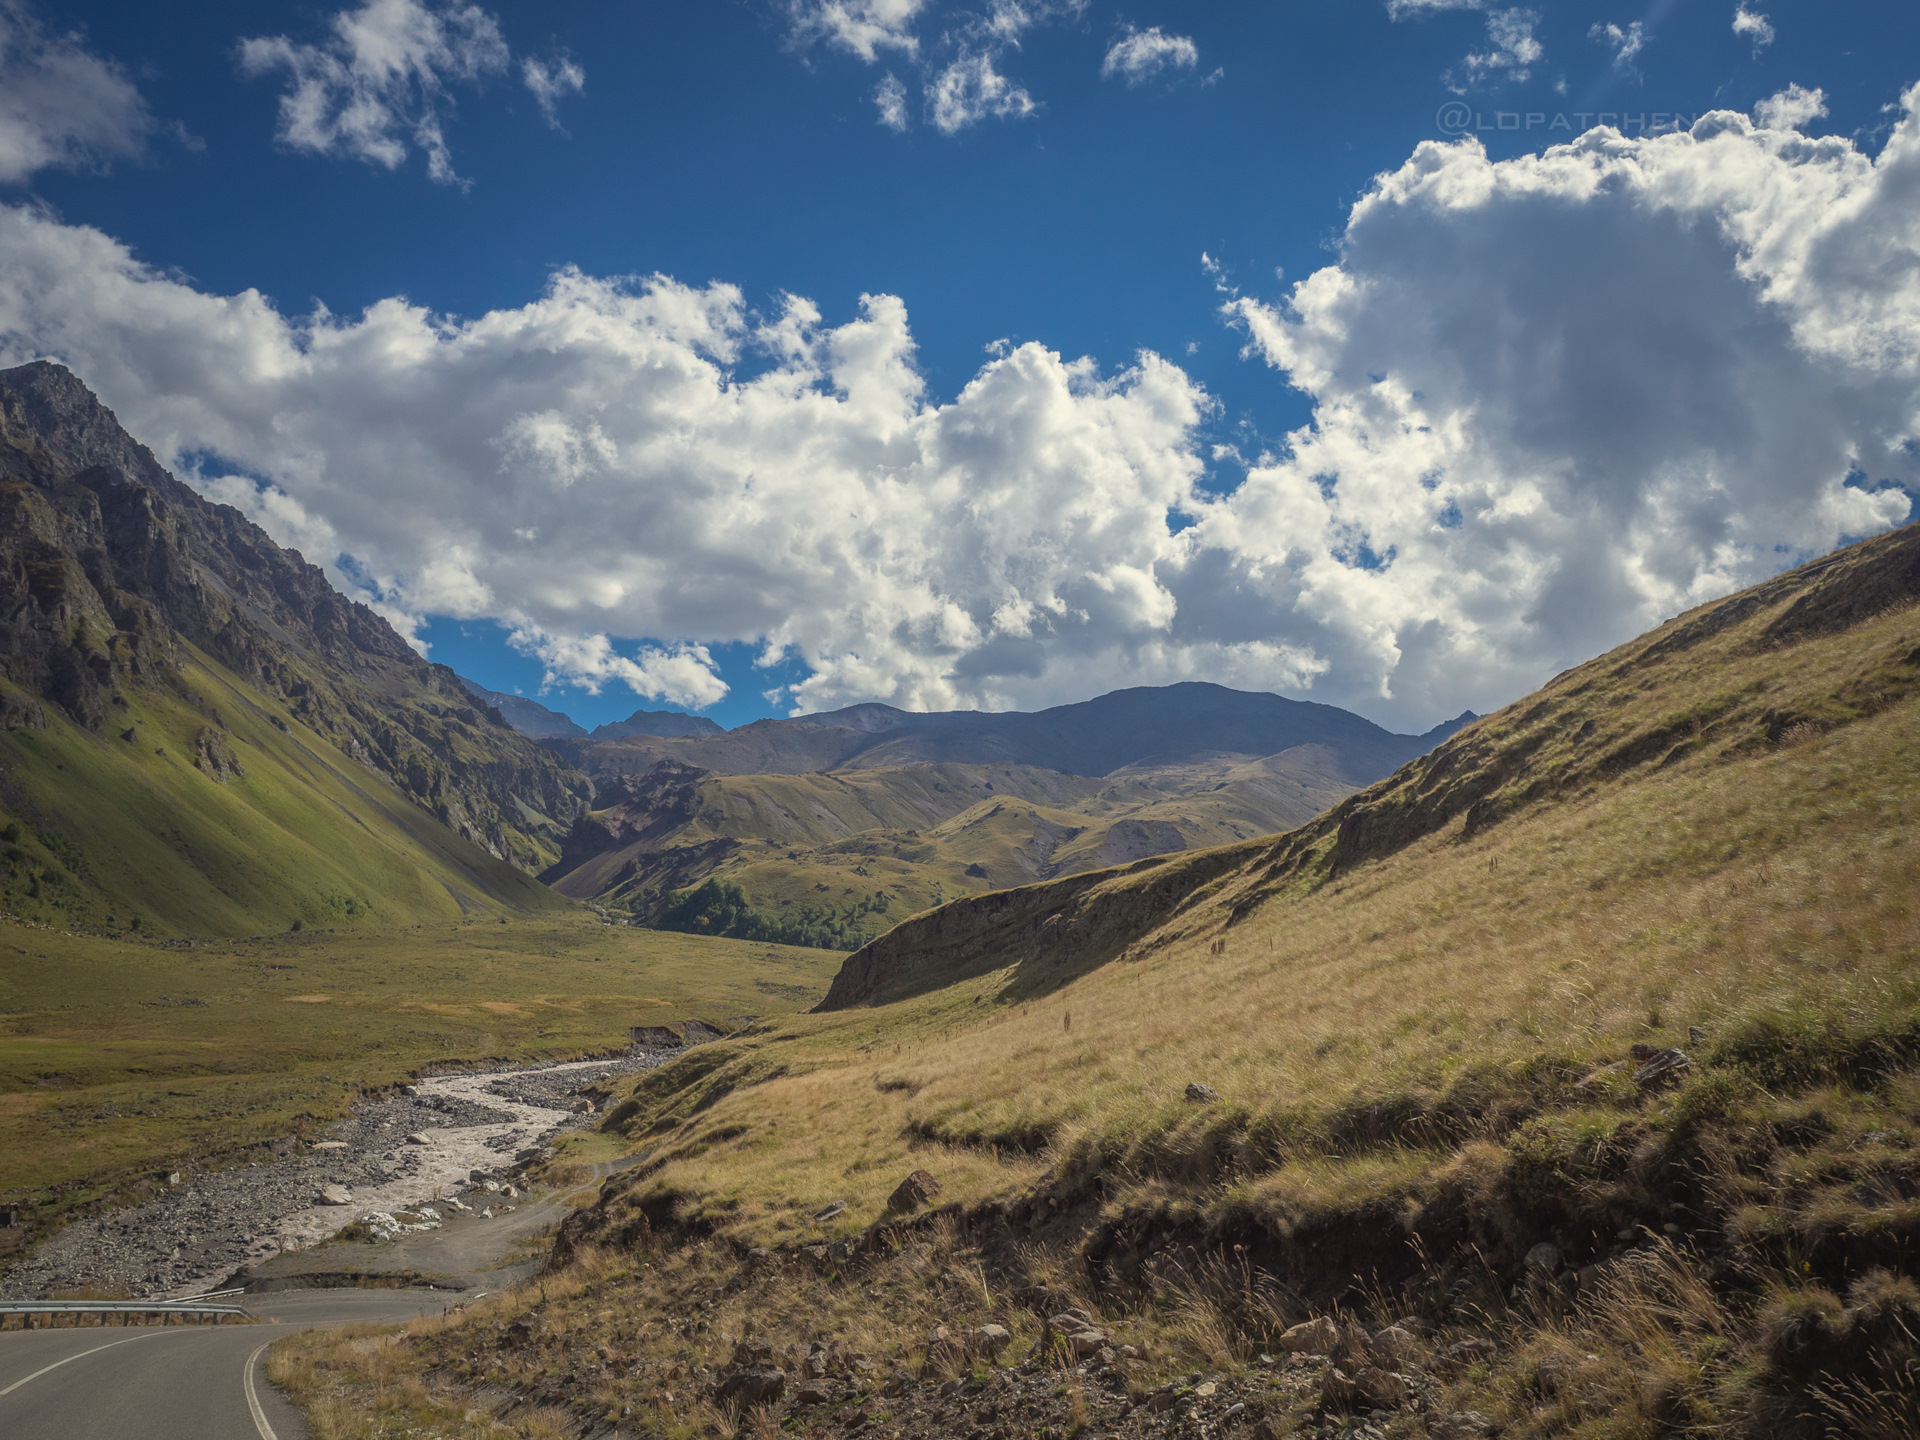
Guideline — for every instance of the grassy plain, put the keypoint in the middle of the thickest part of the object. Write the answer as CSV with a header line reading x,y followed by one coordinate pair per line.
x,y
118,1060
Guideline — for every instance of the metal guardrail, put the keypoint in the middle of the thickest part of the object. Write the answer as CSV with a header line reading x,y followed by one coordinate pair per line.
x,y
123,1307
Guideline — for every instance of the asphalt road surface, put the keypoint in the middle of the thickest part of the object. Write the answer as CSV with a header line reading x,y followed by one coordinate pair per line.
x,y
176,1382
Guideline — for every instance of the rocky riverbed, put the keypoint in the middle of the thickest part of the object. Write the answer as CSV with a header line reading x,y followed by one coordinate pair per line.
x,y
446,1136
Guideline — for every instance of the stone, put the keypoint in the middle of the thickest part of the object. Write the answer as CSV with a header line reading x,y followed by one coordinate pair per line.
x,y
1318,1336
1088,1342
1460,1425
832,1211
329,1145
1338,1390
990,1340
916,1190
1206,1391
334,1195
1543,1259
1695,1035
1663,1067
417,1139
812,1395
1395,1343
1468,1352
1382,1389
1068,1321
1202,1094
750,1385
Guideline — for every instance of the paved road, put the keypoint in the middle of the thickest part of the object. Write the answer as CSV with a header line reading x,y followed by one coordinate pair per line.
x,y
205,1382
175,1382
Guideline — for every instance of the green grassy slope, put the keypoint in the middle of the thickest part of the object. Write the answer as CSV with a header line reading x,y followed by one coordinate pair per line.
x,y
911,837
118,1059
121,831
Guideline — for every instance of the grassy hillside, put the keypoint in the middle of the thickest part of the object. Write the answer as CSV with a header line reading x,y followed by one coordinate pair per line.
x,y
1416,1015
852,852
220,812
118,1060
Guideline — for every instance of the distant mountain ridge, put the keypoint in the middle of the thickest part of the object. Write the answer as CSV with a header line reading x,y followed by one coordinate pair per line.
x,y
661,723
529,717
1145,726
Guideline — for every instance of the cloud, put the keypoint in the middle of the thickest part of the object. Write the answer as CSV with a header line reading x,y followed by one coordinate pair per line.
x,y
1555,399
890,97
1139,55
61,106
970,89
1790,109
551,81
377,88
1754,25
859,27
1626,44
1513,48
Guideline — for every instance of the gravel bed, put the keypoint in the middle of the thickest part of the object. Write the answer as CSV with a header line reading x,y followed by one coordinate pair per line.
x,y
210,1225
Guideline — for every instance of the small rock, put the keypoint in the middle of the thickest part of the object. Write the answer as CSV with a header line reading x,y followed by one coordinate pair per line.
x,y
832,1212
1206,1391
1318,1336
1468,1352
1695,1035
1338,1391
812,1395
1088,1342
748,1386
1460,1425
1202,1094
1382,1389
1395,1343
1543,1259
335,1195
916,1190
1661,1068
329,1145
417,1139
990,1340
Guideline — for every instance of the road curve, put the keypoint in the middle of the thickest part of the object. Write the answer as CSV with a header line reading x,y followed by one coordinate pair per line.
x,y
175,1382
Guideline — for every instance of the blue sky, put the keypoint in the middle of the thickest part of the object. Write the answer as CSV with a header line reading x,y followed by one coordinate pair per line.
x,y
1064,202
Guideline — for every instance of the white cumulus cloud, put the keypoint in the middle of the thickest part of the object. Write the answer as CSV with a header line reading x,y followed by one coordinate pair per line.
x,y
1555,399
969,89
1791,108
890,97
382,82
1755,26
860,27
1139,55
61,106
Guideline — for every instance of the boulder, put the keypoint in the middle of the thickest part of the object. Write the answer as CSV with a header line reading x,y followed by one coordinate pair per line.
x,y
1318,1336
1468,1352
334,1195
751,1385
418,1139
1395,1344
990,1340
1543,1259
1202,1094
1382,1389
1338,1390
916,1190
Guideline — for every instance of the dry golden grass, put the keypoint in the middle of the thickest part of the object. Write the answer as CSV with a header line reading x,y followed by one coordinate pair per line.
x,y
1713,891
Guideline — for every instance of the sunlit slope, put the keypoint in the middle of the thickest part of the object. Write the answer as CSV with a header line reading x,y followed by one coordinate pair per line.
x,y
919,835
1717,825
135,828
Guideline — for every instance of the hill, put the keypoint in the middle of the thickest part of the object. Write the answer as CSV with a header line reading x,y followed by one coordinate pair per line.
x,y
1380,1067
529,717
837,858
1144,727
657,723
200,736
